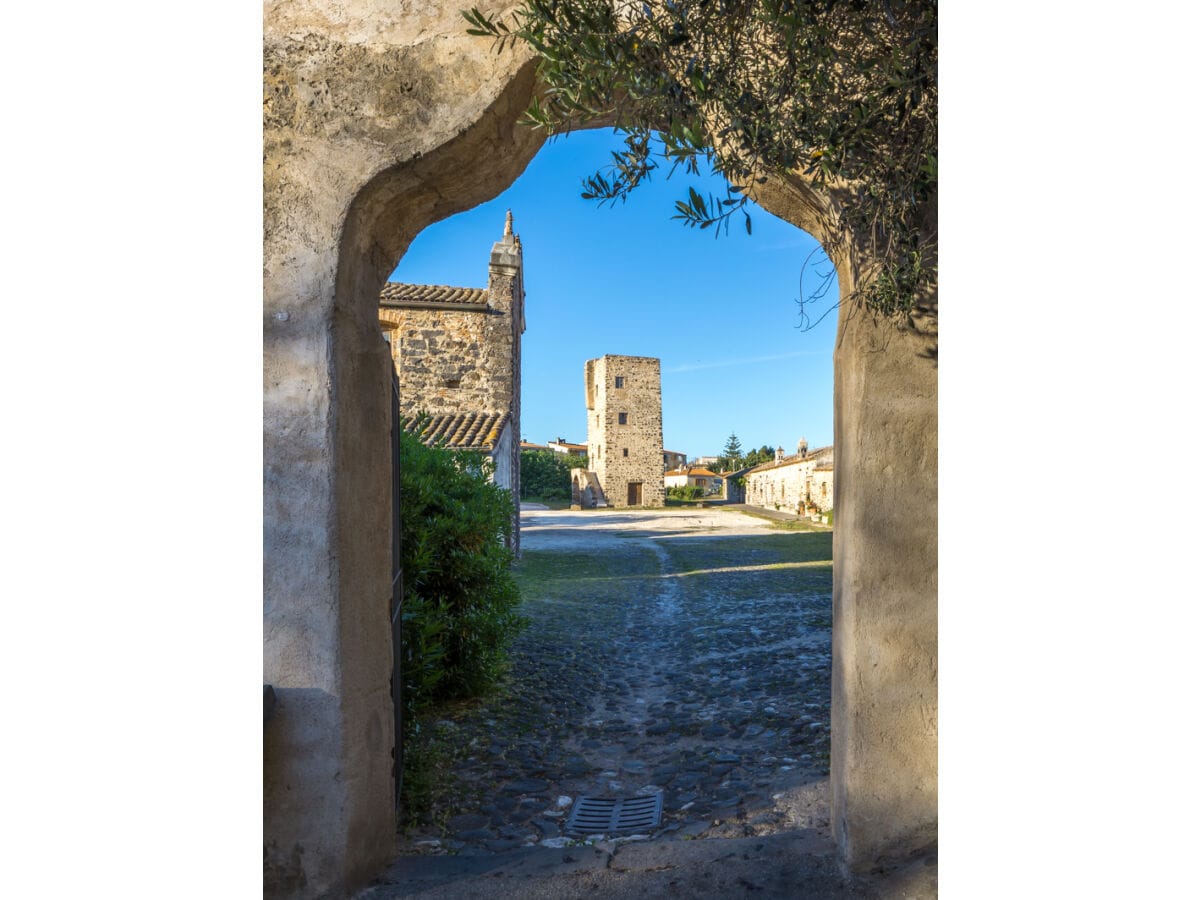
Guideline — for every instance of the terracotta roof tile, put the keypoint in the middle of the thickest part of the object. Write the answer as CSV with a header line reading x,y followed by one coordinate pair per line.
x,y
462,431
396,292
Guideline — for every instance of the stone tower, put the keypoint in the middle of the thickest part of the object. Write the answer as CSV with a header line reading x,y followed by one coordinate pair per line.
x,y
625,439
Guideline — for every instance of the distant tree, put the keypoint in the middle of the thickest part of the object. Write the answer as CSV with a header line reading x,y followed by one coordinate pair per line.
x,y
546,475
731,456
757,457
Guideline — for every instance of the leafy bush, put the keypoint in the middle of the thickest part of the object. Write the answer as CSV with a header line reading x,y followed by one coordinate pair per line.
x,y
460,598
546,475
685,492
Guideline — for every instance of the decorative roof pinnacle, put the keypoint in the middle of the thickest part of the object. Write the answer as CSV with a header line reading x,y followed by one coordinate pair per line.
x,y
508,223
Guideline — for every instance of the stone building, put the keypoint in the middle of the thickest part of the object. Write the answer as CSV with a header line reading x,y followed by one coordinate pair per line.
x,y
625,444
672,459
802,483
735,484
457,354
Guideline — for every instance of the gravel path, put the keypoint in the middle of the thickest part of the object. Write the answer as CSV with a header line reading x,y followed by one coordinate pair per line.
x,y
686,652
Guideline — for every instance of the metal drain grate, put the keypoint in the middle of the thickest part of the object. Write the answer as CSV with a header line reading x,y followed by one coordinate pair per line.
x,y
596,815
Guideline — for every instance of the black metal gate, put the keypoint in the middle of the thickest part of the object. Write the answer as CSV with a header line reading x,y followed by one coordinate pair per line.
x,y
397,599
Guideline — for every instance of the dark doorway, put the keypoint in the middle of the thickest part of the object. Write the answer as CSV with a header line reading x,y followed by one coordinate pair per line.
x,y
635,493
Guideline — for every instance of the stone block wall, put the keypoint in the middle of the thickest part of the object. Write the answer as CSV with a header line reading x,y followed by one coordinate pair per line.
x,y
451,360
625,427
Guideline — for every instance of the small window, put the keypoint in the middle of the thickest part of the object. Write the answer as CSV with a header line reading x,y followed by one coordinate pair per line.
x,y
624,451
622,418
620,381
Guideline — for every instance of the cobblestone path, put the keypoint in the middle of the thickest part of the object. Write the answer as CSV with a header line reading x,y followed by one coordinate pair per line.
x,y
667,651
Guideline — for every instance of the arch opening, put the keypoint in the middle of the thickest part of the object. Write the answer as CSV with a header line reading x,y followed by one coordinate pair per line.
x,y
884,696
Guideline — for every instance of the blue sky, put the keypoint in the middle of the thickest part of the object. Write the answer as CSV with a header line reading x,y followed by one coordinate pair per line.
x,y
720,313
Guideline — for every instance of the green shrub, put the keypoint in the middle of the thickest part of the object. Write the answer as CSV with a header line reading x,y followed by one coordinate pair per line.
x,y
460,597
685,492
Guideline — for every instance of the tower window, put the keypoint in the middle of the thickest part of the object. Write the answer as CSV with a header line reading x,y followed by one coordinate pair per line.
x,y
624,451
620,381
622,418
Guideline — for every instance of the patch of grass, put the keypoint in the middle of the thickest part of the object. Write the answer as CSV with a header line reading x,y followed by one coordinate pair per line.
x,y
758,550
428,765
555,575
549,502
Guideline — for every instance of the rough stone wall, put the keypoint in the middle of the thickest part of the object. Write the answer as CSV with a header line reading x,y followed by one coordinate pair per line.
x,y
621,453
450,360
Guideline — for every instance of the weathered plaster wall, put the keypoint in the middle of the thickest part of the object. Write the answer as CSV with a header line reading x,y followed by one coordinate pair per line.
x,y
884,716
631,452
884,741
376,119
452,360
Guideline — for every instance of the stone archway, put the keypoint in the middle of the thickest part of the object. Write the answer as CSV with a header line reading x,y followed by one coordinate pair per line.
x,y
377,124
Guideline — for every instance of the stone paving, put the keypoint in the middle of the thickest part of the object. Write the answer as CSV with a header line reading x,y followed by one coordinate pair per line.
x,y
686,652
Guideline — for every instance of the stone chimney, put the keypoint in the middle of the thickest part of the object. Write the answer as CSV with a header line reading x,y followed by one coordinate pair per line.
x,y
506,282
802,448
778,454
506,295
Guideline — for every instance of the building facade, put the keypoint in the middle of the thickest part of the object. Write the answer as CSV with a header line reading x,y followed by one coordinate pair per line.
x,y
673,460
457,354
625,444
695,476
801,483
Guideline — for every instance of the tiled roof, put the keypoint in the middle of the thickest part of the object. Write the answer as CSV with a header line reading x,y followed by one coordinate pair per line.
x,y
395,292
462,431
797,458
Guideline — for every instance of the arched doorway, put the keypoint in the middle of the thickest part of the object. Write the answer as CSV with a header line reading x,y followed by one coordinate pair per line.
x,y
330,245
